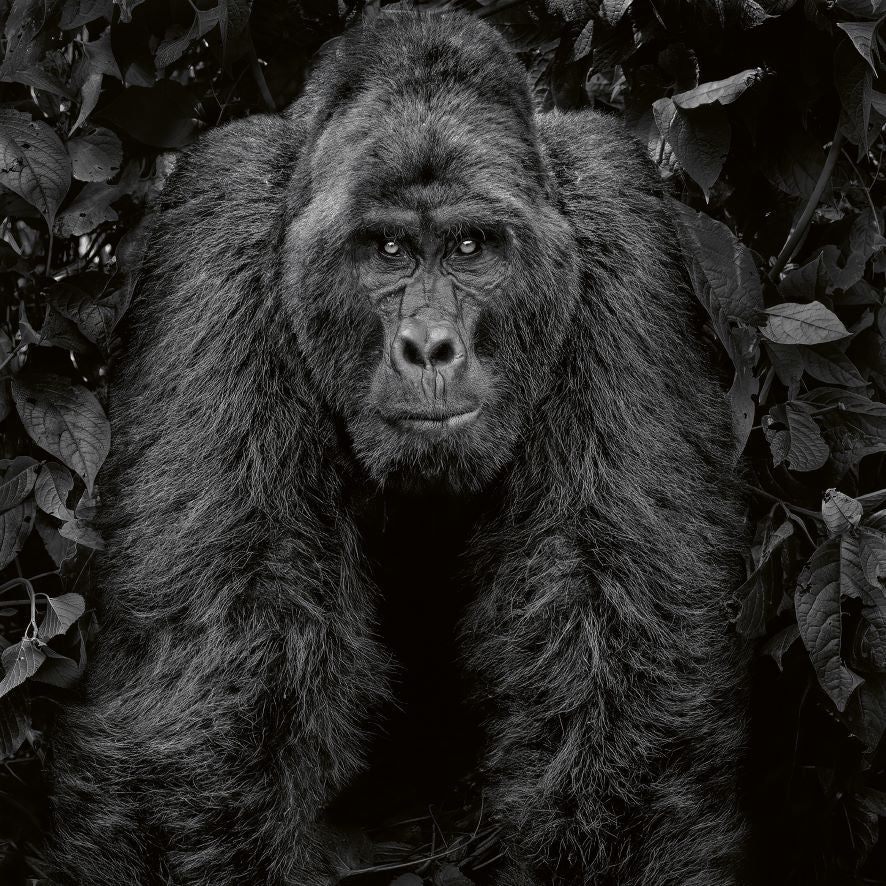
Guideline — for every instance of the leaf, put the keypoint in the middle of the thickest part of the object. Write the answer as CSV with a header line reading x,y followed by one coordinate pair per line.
x,y
33,162
15,722
61,613
794,437
778,645
721,92
450,875
178,39
95,316
53,487
18,480
58,670
819,619
863,37
96,157
725,280
233,16
76,13
866,711
613,10
840,512
584,42
82,533
15,527
852,77
66,420
872,554
58,548
829,364
20,661
91,209
700,140
870,638
792,323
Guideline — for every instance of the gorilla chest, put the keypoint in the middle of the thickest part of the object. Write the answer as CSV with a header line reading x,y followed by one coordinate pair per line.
x,y
426,740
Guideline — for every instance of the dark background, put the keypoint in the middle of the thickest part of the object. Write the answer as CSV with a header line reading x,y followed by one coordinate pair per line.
x,y
766,118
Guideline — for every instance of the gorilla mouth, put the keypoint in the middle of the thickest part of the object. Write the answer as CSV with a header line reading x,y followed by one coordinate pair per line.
x,y
433,420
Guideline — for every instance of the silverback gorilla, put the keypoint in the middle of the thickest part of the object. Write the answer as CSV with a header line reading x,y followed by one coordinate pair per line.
x,y
418,458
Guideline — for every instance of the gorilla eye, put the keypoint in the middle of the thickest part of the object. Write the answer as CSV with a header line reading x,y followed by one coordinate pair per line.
x,y
390,247
468,246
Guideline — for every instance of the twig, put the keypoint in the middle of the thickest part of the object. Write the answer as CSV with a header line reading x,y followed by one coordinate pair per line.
x,y
815,515
867,191
796,235
259,76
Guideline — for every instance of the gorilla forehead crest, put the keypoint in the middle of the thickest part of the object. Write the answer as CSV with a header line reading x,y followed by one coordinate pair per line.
x,y
408,103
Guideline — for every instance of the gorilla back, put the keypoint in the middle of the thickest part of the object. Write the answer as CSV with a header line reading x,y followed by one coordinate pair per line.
x,y
410,296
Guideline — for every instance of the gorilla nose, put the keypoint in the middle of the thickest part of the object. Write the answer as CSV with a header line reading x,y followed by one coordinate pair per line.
x,y
426,345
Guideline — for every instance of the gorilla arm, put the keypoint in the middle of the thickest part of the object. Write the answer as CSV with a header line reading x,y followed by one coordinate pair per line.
x,y
234,665
601,633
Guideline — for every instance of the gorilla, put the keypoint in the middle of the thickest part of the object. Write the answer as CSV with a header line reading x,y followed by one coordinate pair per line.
x,y
421,474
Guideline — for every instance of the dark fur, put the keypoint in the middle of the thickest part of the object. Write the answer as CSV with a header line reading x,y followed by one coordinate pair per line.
x,y
238,669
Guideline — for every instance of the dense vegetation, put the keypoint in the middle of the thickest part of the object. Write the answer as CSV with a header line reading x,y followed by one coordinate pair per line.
x,y
766,117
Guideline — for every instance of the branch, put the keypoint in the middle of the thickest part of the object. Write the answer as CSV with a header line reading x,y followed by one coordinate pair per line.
x,y
799,231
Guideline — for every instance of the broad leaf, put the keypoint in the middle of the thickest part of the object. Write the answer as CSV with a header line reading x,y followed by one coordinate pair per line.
x,y
66,420
794,437
722,92
33,162
15,527
819,619
863,36
792,323
96,157
18,480
82,533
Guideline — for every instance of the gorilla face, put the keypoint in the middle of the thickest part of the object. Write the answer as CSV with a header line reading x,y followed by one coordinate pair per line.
x,y
429,281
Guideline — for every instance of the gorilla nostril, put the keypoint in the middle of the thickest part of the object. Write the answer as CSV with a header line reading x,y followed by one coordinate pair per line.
x,y
442,353
411,352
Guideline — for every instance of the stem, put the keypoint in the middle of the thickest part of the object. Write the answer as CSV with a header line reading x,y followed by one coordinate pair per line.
x,y
814,515
259,76
796,235
15,351
49,252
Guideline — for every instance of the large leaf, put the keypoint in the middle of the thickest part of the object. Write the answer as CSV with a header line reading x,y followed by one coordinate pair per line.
x,y
726,282
33,162
722,92
792,323
66,420
819,618
863,36
840,512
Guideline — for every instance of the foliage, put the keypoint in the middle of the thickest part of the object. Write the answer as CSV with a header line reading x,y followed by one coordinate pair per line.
x,y
767,119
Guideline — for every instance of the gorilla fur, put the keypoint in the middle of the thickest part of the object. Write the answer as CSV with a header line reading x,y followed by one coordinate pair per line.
x,y
240,668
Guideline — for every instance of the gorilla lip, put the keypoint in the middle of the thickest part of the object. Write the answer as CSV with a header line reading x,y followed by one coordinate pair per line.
x,y
434,421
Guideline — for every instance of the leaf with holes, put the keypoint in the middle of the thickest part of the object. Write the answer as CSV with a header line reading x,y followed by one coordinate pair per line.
x,y
20,661
66,420
33,162
61,613
819,618
96,157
